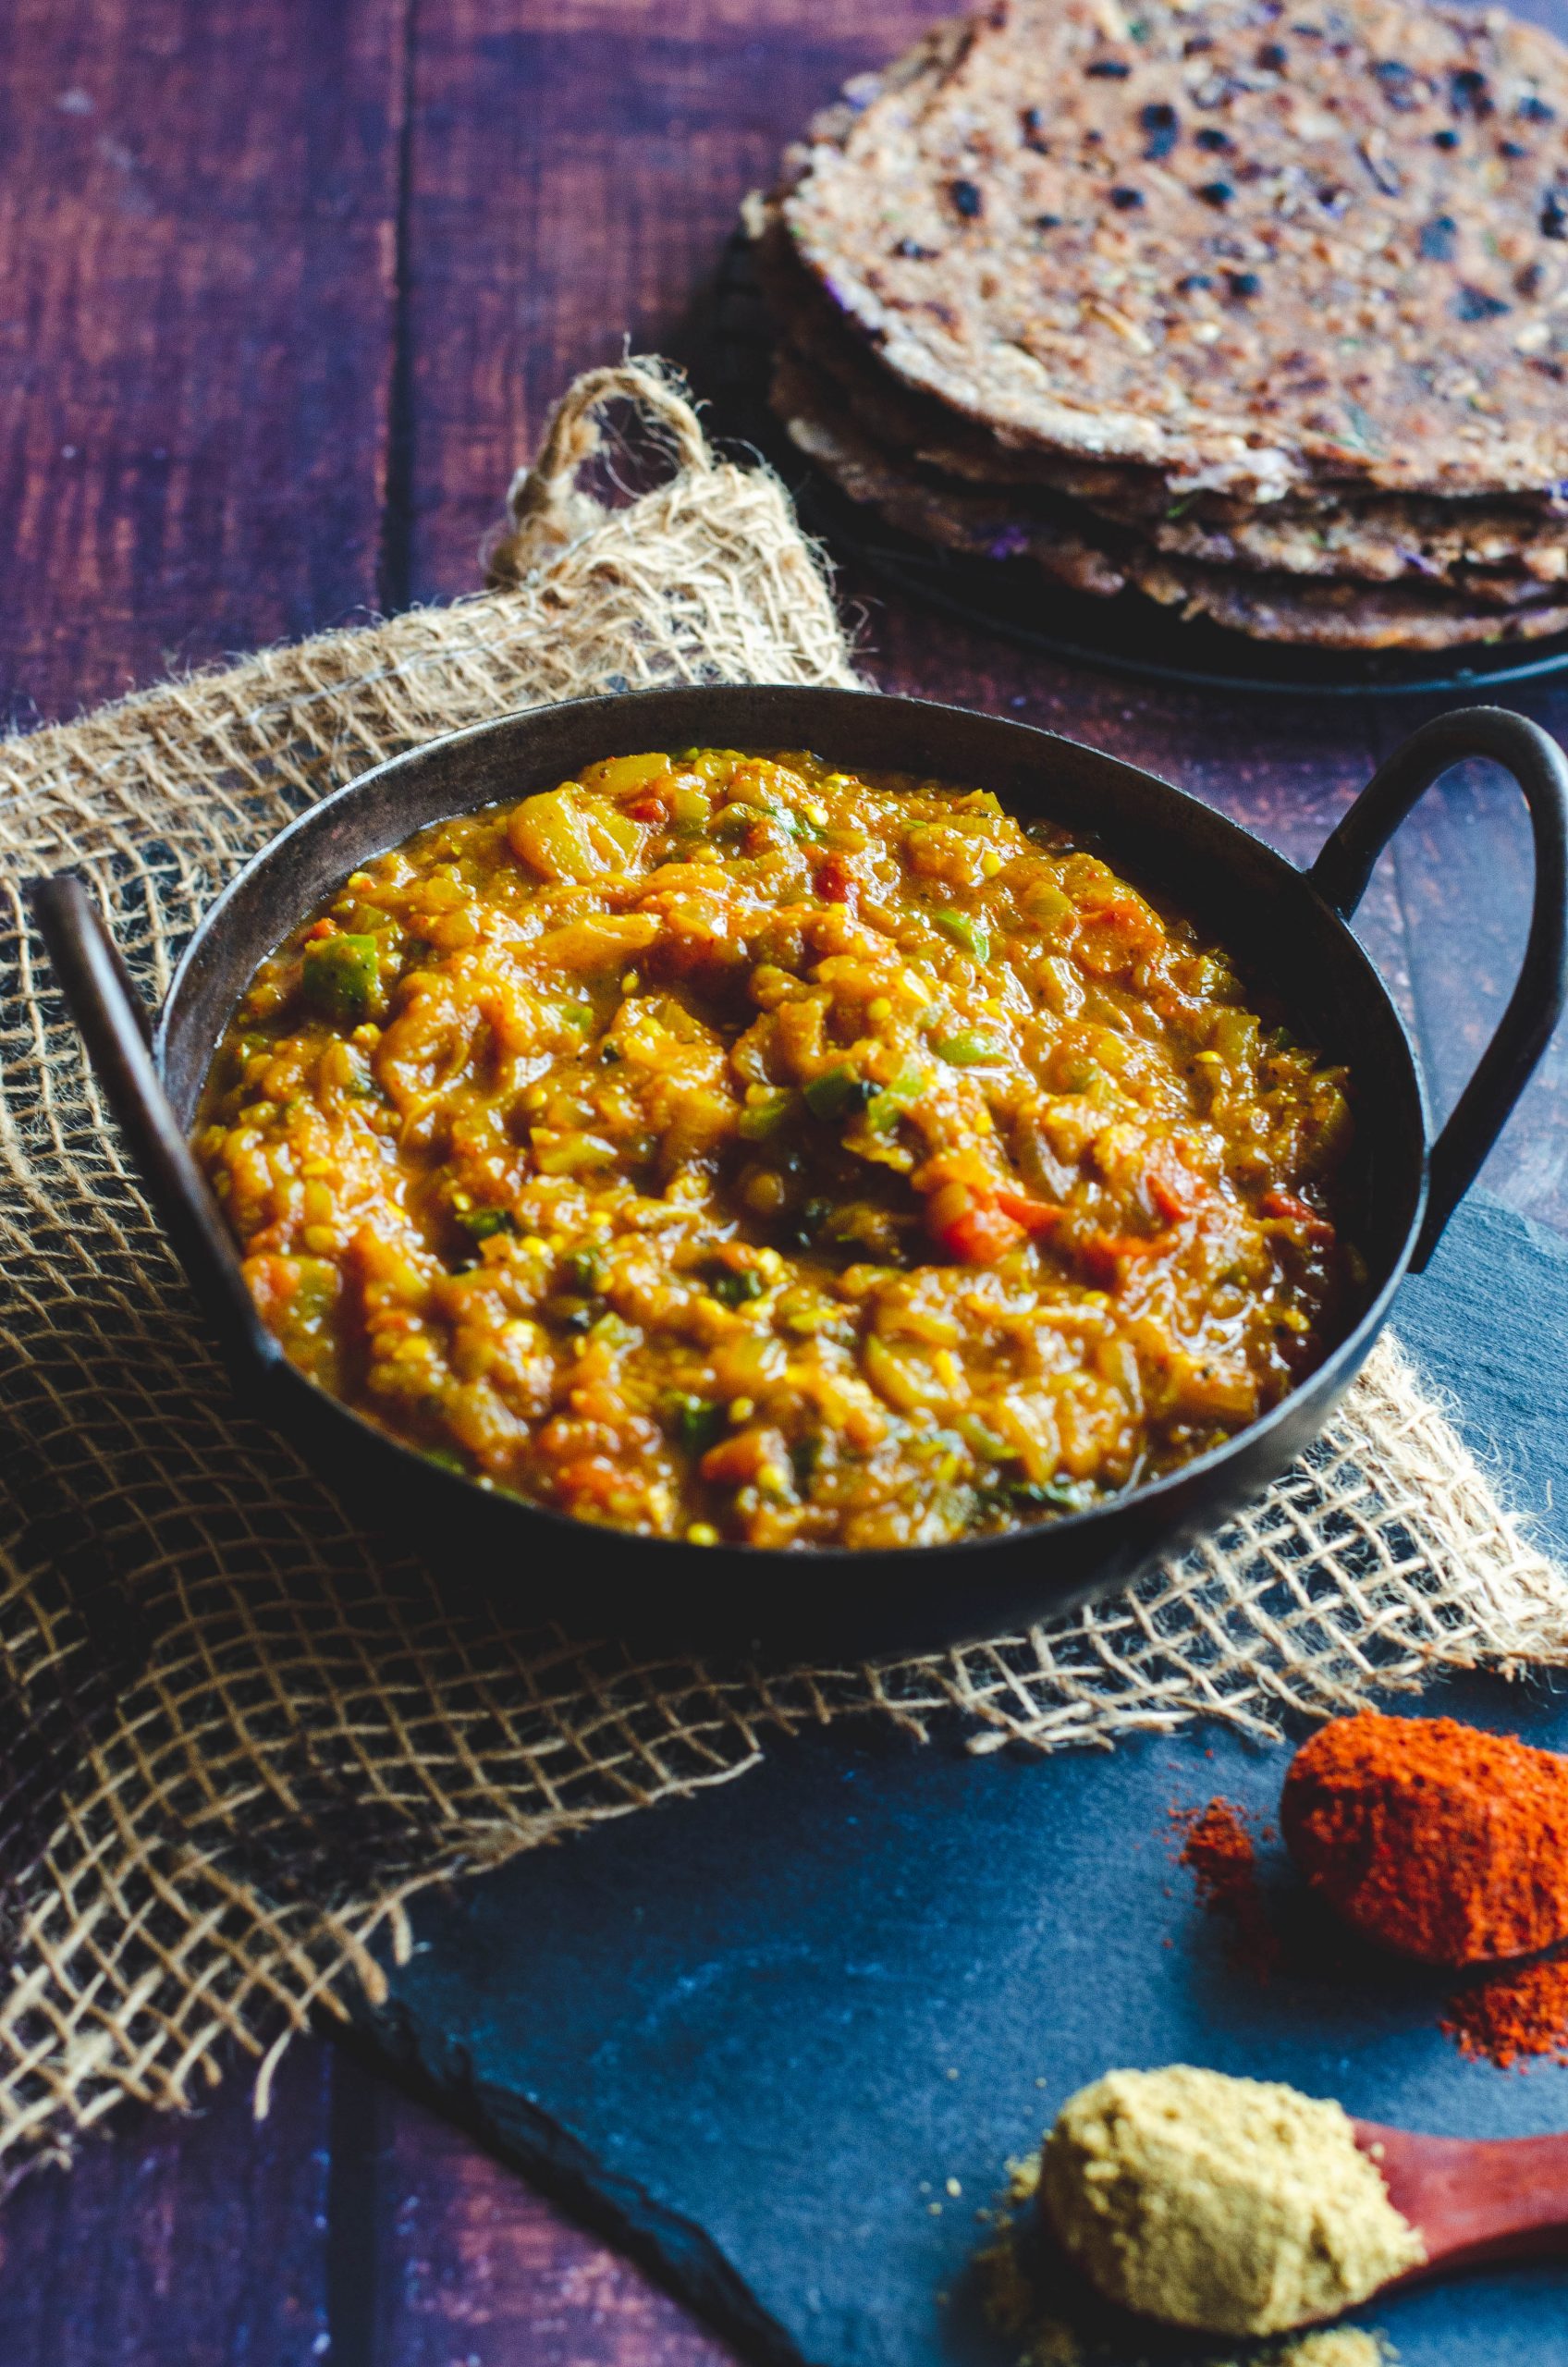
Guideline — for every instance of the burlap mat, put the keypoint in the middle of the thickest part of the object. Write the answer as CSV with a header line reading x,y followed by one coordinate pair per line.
x,y
236,1734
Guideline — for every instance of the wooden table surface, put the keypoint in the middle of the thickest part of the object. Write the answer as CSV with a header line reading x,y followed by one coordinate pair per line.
x,y
289,288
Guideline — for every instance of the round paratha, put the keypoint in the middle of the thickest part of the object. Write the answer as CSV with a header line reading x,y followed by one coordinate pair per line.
x,y
1251,247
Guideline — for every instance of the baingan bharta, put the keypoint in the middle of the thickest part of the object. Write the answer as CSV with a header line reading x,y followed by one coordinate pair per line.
x,y
724,1145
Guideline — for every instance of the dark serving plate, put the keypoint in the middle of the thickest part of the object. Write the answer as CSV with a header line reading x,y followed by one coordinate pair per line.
x,y
1131,634
1289,930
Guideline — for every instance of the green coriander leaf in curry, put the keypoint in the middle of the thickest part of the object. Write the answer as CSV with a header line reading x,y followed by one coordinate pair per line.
x,y
726,1145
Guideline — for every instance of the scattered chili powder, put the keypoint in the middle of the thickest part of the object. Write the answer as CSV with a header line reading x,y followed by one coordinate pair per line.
x,y
1517,2017
1441,1842
1217,1852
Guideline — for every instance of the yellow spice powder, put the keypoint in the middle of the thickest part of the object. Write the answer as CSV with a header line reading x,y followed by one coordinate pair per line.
x,y
1236,2206
1046,2329
1335,2347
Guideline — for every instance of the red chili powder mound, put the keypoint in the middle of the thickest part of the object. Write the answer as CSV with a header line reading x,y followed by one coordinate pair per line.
x,y
1437,1840
1434,1838
1217,1852
1518,2017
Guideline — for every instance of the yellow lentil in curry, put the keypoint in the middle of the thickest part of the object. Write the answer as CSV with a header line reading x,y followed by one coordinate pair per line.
x,y
723,1145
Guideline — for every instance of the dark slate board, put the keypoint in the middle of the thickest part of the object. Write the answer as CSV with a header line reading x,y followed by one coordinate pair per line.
x,y
754,2034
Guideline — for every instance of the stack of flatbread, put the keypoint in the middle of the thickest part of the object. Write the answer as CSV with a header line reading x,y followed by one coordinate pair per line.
x,y
1260,306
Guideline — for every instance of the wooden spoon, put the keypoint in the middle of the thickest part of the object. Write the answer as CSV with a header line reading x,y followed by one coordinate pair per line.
x,y
1474,2198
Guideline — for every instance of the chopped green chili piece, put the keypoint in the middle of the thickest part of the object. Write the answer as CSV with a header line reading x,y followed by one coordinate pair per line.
x,y
839,1091
982,1440
586,1271
805,1457
693,1422
964,932
732,1285
885,1108
964,1051
1066,1495
480,1223
341,977
761,1119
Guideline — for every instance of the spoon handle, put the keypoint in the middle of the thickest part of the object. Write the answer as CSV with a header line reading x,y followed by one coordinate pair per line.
x,y
1474,2199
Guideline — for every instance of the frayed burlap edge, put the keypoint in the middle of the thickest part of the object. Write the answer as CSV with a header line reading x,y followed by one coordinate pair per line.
x,y
238,1736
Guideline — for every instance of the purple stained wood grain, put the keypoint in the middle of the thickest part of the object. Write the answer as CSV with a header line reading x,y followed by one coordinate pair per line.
x,y
445,2257
350,2227
198,218
574,170
197,2242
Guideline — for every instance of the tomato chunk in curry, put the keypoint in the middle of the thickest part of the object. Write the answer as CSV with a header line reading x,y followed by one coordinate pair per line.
x,y
728,1146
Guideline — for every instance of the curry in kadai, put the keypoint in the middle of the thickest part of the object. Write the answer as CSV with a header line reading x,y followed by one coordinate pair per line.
x,y
728,1146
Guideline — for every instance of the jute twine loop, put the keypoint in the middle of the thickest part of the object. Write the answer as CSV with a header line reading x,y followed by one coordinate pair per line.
x,y
239,1734
548,508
